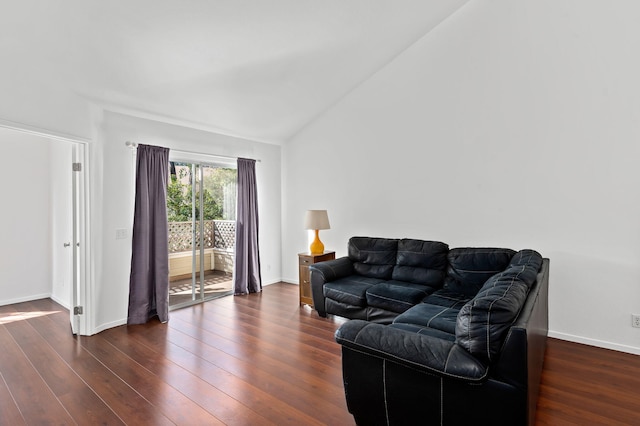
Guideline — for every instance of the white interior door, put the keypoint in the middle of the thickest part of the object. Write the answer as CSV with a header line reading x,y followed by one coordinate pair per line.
x,y
60,190
79,244
75,206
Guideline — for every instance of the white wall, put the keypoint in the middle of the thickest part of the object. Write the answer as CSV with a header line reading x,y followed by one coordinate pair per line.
x,y
25,252
29,97
512,124
113,186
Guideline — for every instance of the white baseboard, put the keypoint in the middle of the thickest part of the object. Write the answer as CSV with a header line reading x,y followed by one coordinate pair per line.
x,y
109,325
124,321
25,299
60,302
594,342
290,281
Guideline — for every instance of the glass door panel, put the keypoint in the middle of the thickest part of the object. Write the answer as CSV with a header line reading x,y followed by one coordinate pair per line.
x,y
201,213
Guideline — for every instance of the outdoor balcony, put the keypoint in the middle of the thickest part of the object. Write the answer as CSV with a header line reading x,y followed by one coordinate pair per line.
x,y
219,246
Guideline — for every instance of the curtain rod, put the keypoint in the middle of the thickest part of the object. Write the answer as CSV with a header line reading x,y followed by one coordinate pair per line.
x,y
134,145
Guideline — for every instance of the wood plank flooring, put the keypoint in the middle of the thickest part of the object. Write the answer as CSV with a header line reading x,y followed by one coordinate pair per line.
x,y
251,360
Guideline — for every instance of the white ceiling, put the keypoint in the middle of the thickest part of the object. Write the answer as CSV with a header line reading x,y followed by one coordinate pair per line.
x,y
258,69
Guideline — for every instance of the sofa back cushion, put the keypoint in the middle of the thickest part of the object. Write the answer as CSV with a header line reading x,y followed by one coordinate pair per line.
x,y
483,321
470,268
373,257
421,262
530,261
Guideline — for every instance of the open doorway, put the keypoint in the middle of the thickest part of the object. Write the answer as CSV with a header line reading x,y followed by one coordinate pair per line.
x,y
201,211
45,247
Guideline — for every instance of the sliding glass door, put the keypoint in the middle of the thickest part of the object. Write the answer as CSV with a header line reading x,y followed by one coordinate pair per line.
x,y
201,207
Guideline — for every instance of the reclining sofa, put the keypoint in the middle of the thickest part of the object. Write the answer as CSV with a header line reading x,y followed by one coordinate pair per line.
x,y
438,335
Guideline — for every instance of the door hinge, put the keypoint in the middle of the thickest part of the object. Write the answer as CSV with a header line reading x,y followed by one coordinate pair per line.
x,y
77,310
77,167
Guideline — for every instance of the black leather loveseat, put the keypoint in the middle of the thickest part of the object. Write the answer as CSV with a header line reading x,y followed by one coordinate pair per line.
x,y
439,335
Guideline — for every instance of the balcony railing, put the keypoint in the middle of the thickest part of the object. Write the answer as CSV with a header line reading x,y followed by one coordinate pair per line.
x,y
218,234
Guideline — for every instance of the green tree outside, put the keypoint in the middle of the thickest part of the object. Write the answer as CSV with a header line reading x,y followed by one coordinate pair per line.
x,y
218,184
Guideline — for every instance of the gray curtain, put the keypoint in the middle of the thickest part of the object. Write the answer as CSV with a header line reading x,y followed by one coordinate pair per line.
x,y
149,280
247,262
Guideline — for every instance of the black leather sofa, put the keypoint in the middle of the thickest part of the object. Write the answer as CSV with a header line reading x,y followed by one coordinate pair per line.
x,y
439,335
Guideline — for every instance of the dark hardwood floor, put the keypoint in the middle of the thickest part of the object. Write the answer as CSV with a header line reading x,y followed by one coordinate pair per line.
x,y
258,359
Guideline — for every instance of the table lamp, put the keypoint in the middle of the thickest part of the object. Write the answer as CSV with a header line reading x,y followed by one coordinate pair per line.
x,y
316,220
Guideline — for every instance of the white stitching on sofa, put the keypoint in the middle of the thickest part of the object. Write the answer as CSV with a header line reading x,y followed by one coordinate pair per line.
x,y
384,389
388,298
446,363
436,315
441,401
445,297
513,279
421,368
340,291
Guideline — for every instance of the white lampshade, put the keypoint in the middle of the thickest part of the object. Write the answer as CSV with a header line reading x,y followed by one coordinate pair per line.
x,y
316,219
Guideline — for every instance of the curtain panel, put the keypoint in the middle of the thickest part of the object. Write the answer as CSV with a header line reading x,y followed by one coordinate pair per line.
x,y
247,277
149,279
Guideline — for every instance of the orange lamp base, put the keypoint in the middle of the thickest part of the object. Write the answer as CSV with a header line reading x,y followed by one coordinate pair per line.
x,y
316,246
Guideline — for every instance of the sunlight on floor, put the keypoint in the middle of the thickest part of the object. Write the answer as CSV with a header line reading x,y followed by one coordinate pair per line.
x,y
216,284
225,286
21,316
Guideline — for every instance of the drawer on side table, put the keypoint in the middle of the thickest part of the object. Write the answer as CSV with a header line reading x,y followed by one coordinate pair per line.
x,y
304,260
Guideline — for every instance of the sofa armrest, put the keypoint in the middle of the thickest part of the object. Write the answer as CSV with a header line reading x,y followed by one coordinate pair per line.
x,y
323,272
433,355
331,270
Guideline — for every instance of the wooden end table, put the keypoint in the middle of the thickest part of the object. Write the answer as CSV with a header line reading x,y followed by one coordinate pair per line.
x,y
304,260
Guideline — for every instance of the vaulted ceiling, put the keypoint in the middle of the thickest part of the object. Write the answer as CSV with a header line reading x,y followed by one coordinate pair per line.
x,y
258,69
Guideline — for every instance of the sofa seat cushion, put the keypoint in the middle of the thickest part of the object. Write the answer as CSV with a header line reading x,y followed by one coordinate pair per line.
x,y
346,310
470,268
418,329
350,290
373,257
396,296
421,262
430,316
447,298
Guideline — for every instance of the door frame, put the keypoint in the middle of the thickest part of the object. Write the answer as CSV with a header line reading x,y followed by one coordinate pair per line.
x,y
80,294
198,161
